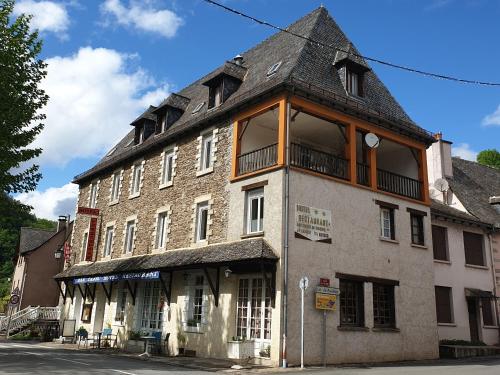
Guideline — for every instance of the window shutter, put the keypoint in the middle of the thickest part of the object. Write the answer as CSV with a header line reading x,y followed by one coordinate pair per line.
x,y
439,243
488,319
473,245
443,304
204,306
187,295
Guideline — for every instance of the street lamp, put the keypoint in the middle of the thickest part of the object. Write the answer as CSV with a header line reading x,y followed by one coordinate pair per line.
x,y
58,253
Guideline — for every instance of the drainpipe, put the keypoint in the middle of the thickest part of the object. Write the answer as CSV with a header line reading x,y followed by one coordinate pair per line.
x,y
286,232
492,259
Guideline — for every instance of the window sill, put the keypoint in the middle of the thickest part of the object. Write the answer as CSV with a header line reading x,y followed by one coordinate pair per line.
x,y
135,195
112,203
159,250
106,258
476,266
423,247
128,255
191,329
252,235
353,329
442,261
388,240
446,324
164,186
204,171
490,327
386,329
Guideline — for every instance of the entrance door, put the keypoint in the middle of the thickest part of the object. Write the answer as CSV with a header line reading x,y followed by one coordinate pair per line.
x,y
473,319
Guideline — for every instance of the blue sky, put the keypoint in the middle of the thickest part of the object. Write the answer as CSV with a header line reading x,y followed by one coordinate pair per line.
x,y
109,59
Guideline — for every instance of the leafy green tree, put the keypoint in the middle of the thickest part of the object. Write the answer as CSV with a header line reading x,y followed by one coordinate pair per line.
x,y
489,157
21,100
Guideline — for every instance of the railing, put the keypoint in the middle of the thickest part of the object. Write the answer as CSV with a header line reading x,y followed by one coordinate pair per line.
x,y
363,174
319,161
397,184
258,159
28,315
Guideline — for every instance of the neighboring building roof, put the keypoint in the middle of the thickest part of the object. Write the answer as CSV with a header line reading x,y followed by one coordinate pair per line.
x,y
147,115
245,250
474,184
306,68
439,209
31,238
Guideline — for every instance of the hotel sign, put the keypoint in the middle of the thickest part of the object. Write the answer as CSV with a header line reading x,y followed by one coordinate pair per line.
x,y
314,224
150,275
326,298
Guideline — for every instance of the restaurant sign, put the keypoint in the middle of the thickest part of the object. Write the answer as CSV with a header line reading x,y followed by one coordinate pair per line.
x,y
150,275
314,224
326,298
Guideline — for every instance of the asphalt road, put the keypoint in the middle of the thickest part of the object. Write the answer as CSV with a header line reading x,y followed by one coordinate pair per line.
x,y
26,358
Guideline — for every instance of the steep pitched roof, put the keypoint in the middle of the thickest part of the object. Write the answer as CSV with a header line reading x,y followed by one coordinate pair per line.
x,y
31,238
474,184
305,67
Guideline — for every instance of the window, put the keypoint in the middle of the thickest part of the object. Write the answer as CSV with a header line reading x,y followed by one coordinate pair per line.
x,y
163,122
168,165
473,245
198,108
87,312
198,300
121,304
215,94
115,186
201,221
253,320
161,230
85,244
387,223
206,152
108,240
353,83
195,303
443,304
129,236
351,303
93,195
135,186
151,308
417,229
488,315
255,211
273,69
383,306
141,134
440,243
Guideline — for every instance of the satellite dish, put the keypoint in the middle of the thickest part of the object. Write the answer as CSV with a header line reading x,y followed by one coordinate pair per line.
x,y
441,185
372,140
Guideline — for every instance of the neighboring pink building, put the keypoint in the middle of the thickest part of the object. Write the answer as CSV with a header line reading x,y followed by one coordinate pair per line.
x,y
37,264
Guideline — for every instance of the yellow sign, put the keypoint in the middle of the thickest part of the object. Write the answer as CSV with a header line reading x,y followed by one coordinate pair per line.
x,y
326,301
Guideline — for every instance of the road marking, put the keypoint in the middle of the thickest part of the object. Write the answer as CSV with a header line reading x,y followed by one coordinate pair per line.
x,y
123,372
33,353
71,360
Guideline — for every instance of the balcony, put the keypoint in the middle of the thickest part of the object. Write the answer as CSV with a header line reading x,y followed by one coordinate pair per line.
x,y
318,161
397,184
256,160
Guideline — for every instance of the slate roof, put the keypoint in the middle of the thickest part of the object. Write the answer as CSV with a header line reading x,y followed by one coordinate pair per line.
x,y
307,69
30,238
442,210
474,184
245,250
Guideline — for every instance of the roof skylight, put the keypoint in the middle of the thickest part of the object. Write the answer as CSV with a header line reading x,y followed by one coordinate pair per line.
x,y
273,69
110,152
198,108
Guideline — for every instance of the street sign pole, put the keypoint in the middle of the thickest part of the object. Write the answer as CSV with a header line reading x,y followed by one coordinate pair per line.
x,y
324,338
303,284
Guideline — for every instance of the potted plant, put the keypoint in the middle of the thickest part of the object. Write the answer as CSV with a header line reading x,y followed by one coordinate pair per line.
x,y
181,340
240,348
266,353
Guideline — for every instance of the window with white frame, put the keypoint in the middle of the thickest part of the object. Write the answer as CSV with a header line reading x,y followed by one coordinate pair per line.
x,y
255,211
161,230
168,167
108,240
85,244
135,182
198,299
121,304
93,195
115,186
201,221
206,161
253,319
387,223
195,302
151,306
129,236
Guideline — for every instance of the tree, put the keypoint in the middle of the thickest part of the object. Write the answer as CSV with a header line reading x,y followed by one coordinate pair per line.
x,y
21,100
489,157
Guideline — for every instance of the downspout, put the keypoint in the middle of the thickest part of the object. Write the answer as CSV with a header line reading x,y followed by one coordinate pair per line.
x,y
492,259
286,231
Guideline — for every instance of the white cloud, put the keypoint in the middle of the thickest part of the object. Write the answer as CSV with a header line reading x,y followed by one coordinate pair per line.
x,y
94,95
143,17
492,119
47,15
464,151
54,201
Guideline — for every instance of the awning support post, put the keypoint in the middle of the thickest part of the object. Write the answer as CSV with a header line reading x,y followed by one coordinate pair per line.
x,y
108,294
91,292
167,290
81,291
213,288
133,291
63,294
70,292
271,282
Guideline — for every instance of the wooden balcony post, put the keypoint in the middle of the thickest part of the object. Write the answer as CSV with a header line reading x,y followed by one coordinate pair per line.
x,y
282,132
372,155
352,154
236,148
422,175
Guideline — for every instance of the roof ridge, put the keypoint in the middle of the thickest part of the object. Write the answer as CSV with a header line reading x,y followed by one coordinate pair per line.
x,y
476,163
40,229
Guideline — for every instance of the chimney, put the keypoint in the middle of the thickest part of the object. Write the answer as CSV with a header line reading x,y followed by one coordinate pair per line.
x,y
495,203
439,159
61,222
238,60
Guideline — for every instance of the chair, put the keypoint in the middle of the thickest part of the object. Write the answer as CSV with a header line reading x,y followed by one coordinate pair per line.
x,y
156,343
165,344
84,336
107,334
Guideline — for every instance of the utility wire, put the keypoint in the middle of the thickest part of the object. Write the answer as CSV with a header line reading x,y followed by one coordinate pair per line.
x,y
372,59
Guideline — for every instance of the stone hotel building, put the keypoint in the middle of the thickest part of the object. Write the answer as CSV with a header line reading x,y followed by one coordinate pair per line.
x,y
290,160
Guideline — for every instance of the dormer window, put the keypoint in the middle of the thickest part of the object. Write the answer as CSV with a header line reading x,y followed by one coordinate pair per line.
x,y
353,82
215,95
141,135
162,124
